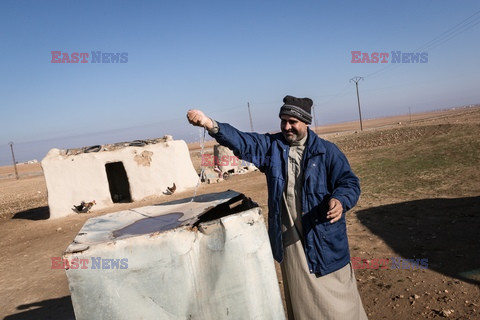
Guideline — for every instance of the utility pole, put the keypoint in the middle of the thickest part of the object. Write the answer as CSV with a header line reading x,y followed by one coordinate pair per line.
x,y
250,116
14,162
356,80
410,114
314,118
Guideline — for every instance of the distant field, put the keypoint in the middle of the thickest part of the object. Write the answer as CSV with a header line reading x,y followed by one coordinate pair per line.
x,y
428,159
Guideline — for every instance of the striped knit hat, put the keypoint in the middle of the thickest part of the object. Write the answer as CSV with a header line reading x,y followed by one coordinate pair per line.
x,y
299,108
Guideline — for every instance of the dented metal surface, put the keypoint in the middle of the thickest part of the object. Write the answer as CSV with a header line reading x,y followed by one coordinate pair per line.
x,y
115,226
206,259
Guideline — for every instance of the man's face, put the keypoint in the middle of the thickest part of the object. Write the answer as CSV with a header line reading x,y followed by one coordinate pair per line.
x,y
292,128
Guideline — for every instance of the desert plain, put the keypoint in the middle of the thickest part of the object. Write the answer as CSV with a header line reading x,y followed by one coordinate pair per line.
x,y
420,178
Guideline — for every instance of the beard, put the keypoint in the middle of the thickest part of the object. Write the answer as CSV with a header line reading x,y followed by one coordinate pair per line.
x,y
291,135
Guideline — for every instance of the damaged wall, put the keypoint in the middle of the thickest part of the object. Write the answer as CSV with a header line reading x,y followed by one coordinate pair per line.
x,y
228,162
115,173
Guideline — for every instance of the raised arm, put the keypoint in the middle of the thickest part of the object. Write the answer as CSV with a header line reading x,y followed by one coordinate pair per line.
x,y
248,146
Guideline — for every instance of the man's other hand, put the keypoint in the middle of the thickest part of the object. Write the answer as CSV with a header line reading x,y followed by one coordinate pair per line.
x,y
199,119
335,210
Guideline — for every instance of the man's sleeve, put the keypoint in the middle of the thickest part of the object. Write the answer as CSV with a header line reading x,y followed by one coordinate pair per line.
x,y
341,179
215,128
248,146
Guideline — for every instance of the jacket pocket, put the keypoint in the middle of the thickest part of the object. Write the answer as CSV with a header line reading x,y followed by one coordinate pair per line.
x,y
333,242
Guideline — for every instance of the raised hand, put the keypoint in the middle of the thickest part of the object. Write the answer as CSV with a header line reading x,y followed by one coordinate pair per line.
x,y
199,119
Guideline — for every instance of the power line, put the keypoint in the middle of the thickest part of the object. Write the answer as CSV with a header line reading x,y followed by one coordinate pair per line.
x,y
452,32
445,36
342,92
433,46
389,67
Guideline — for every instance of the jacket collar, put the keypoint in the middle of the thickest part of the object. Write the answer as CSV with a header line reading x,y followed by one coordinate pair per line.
x,y
314,144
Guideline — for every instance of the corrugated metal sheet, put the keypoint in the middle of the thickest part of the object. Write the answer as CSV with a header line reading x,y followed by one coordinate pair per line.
x,y
206,259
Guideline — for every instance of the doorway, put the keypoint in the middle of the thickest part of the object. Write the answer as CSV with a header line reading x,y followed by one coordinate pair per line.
x,y
118,182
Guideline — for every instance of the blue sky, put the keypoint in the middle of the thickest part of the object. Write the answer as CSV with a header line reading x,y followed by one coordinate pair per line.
x,y
217,56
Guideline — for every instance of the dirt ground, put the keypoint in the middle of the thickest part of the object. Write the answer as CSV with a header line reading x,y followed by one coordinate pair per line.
x,y
439,223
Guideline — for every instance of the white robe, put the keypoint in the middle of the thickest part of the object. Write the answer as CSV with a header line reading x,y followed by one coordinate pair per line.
x,y
333,296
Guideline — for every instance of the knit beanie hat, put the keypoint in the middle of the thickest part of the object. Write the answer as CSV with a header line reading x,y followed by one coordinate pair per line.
x,y
299,108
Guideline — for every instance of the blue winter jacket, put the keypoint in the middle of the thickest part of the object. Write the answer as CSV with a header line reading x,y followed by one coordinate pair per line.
x,y
327,174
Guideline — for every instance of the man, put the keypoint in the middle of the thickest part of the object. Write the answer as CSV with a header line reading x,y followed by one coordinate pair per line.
x,y
310,188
